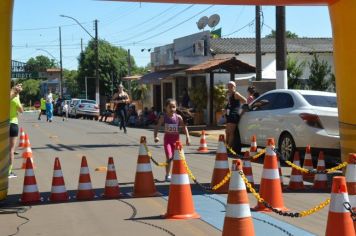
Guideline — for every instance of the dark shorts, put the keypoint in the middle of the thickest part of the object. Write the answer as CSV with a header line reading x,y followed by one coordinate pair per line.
x,y
234,119
43,112
14,130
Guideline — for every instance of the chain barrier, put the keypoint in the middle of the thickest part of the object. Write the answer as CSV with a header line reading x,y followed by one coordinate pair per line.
x,y
282,213
254,157
206,188
348,207
160,164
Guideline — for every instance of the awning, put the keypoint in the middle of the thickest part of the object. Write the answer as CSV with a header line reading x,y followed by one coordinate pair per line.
x,y
231,65
157,76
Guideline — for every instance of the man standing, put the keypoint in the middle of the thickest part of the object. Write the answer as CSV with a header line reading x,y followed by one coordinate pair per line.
x,y
15,107
43,108
49,105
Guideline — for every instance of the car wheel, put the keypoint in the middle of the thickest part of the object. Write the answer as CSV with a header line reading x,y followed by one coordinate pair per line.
x,y
286,147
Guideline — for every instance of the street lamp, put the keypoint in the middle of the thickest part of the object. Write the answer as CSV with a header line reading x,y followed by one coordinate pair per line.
x,y
61,67
97,90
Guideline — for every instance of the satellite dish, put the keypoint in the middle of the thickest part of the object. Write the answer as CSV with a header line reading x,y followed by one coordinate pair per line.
x,y
213,20
202,22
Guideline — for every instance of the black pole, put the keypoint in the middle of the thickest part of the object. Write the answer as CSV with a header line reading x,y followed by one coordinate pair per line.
x,y
211,98
281,48
60,63
258,44
129,69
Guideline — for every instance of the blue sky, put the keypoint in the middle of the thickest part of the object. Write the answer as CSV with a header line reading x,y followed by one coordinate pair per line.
x,y
138,26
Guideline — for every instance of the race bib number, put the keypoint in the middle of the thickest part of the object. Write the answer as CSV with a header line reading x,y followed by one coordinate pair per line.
x,y
171,128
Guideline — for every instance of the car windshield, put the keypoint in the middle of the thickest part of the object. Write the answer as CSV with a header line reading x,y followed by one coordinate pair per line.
x,y
88,101
321,101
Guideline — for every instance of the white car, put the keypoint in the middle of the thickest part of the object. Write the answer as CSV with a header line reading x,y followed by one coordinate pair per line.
x,y
84,108
295,119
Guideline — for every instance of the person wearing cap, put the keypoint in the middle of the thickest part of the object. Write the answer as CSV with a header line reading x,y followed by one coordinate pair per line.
x,y
121,99
235,99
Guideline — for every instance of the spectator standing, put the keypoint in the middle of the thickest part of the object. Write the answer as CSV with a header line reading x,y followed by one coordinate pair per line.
x,y
172,121
15,108
49,106
235,99
121,99
251,90
185,99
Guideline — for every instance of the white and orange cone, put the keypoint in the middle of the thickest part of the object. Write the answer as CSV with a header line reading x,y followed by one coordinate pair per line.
x,y
320,180
144,183
339,220
296,177
247,168
221,167
203,148
112,189
22,138
30,192
85,190
308,164
270,187
350,175
180,200
27,153
58,190
253,147
238,219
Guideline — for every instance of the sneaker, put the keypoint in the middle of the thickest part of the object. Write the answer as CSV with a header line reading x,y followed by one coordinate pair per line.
x,y
12,175
168,178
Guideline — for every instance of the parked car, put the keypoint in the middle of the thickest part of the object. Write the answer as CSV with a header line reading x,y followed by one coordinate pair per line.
x,y
295,119
83,108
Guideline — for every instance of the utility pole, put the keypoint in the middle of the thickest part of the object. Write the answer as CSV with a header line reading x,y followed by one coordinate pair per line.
x,y
81,45
97,84
258,44
281,48
60,62
129,68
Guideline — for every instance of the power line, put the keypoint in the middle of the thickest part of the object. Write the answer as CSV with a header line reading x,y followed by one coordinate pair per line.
x,y
48,28
158,25
250,24
175,26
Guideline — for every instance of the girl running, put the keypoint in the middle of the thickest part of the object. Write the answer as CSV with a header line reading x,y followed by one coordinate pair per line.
x,y
172,121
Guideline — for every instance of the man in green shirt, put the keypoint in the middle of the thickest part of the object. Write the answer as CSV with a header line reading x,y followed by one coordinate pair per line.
x,y
15,107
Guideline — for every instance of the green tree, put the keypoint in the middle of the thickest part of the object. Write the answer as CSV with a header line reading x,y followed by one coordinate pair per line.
x,y
31,91
294,72
139,91
40,63
320,72
289,35
70,77
113,65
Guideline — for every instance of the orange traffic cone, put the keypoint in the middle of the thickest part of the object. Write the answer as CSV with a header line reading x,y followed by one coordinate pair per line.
x,y
238,220
58,190
27,152
253,147
296,177
22,138
203,148
270,187
24,163
30,192
351,180
221,168
339,220
112,189
320,180
247,168
144,184
85,190
308,164
180,200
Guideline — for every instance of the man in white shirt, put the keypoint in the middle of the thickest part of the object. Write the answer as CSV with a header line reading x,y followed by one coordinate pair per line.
x,y
49,105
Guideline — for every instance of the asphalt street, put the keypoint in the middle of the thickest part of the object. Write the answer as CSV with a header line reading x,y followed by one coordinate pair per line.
x,y
70,140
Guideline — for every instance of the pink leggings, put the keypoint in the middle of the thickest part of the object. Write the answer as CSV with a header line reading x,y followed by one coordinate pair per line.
x,y
169,144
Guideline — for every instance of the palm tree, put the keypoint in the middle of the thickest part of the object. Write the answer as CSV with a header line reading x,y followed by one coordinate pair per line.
x,y
139,91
